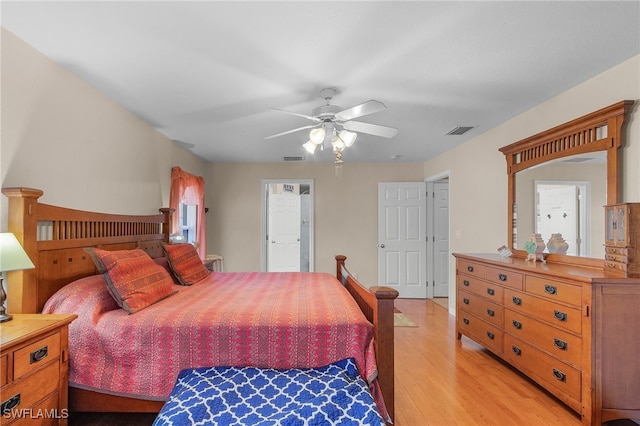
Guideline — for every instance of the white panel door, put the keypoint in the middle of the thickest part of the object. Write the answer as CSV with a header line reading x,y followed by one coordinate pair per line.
x,y
558,213
441,239
402,235
284,233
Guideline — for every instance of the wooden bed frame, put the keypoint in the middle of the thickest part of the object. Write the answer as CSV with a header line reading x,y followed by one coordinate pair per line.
x,y
55,238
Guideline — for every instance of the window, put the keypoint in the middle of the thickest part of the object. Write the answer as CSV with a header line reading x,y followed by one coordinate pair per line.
x,y
187,200
188,222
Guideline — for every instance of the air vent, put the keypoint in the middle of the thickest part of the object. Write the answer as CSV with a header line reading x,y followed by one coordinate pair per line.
x,y
298,158
460,130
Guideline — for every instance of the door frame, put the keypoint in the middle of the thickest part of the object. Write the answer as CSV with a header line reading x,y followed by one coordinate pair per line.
x,y
264,212
430,232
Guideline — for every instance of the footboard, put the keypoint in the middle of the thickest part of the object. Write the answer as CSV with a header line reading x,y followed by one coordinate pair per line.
x,y
377,305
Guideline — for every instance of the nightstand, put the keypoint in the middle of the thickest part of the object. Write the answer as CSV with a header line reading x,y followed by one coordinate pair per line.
x,y
34,364
214,262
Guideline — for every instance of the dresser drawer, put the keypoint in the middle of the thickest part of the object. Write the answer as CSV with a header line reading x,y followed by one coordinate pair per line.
x,y
481,288
505,277
25,393
481,331
35,355
557,315
547,370
486,310
559,343
470,268
554,290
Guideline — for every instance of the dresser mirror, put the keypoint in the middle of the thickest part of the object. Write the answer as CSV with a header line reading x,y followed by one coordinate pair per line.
x,y
564,196
581,156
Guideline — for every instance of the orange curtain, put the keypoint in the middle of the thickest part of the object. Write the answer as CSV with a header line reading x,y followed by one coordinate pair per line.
x,y
189,189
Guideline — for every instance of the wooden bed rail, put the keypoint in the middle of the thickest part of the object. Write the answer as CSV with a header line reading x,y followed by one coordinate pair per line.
x,y
377,304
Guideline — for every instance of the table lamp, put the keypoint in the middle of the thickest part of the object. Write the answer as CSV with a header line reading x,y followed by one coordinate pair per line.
x,y
12,258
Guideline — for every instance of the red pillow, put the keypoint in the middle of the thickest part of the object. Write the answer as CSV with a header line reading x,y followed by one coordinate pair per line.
x,y
185,263
133,278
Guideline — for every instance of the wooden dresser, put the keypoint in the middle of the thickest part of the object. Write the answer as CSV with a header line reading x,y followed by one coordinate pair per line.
x,y
572,329
34,366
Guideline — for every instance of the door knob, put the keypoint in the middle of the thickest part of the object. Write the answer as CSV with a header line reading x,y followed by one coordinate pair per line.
x,y
381,245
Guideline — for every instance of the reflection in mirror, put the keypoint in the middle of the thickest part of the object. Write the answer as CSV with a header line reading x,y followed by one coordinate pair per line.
x,y
564,196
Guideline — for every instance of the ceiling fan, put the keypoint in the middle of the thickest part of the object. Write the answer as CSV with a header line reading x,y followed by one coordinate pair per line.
x,y
328,119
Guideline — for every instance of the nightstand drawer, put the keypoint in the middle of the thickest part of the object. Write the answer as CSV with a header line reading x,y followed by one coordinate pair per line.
x,y
35,355
4,370
25,393
51,418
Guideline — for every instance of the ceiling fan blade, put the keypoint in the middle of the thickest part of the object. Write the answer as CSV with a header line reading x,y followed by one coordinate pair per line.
x,y
361,110
292,131
317,120
372,129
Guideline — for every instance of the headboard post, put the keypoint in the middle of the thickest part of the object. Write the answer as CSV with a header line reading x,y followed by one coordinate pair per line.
x,y
166,228
23,223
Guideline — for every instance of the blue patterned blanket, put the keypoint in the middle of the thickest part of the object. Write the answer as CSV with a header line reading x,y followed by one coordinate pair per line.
x,y
330,395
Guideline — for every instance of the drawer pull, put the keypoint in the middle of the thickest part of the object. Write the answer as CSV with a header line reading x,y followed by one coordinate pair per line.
x,y
465,320
560,344
465,301
516,350
502,277
559,375
491,312
465,283
516,324
560,316
10,404
470,268
38,355
549,289
490,335
491,291
516,300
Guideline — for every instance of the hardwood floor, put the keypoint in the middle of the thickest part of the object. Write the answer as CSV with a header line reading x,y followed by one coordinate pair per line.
x,y
439,381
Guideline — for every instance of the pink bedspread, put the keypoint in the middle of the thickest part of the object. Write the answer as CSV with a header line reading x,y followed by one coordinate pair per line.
x,y
277,320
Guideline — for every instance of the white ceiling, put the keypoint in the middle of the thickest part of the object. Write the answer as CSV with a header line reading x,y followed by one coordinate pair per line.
x,y
206,73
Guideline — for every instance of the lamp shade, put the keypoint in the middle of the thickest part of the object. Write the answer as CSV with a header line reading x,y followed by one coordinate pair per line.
x,y
317,135
12,255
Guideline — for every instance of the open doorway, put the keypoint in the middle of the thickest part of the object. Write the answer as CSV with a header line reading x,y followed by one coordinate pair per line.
x,y
287,225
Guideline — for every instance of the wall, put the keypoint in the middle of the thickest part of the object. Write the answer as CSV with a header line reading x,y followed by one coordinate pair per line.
x,y
477,170
345,211
83,150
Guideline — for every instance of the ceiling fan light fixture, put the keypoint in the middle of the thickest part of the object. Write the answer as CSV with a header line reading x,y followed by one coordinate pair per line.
x,y
338,145
347,137
316,135
310,146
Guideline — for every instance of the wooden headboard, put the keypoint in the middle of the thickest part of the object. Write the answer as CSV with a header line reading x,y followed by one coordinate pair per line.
x,y
55,239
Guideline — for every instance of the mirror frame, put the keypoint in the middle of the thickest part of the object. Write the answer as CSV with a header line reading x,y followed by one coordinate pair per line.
x,y
579,136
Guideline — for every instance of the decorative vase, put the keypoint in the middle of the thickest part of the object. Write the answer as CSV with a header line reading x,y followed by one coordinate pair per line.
x,y
557,244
